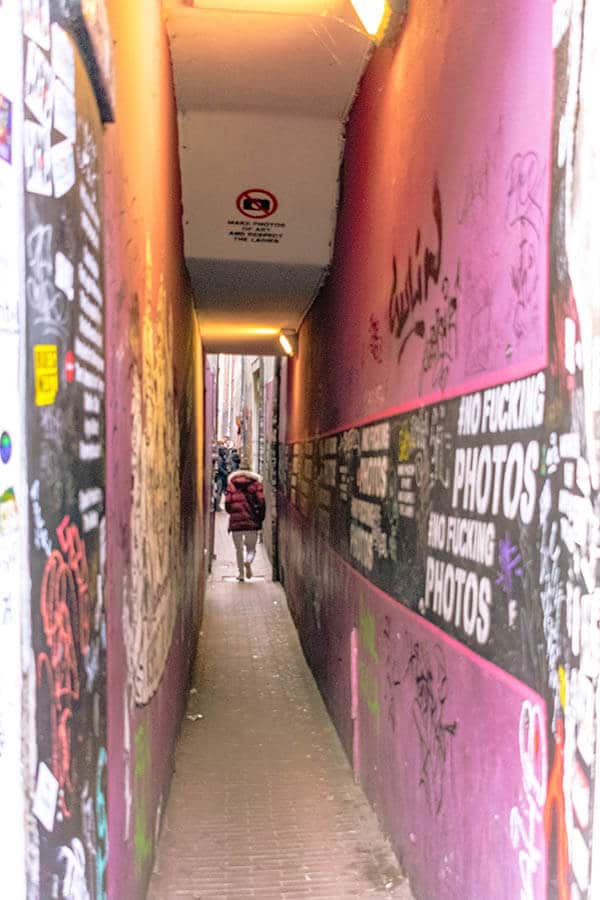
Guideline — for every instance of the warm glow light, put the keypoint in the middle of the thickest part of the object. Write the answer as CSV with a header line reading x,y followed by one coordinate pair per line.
x,y
224,330
295,7
371,13
285,343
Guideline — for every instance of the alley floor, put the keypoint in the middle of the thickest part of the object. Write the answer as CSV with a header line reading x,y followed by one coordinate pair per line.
x,y
263,802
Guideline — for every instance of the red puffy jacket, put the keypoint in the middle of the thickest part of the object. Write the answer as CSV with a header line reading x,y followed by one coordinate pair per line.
x,y
245,501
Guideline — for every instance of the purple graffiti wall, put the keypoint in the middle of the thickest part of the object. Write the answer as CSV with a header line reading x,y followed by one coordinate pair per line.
x,y
441,465
414,704
440,264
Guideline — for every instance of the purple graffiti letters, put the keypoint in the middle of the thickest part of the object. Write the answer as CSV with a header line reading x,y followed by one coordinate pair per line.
x,y
510,561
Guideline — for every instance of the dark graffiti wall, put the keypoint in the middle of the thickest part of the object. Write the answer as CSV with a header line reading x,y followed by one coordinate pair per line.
x,y
439,489
65,395
438,507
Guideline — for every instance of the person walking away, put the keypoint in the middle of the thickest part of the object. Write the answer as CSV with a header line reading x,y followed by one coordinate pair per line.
x,y
221,473
245,503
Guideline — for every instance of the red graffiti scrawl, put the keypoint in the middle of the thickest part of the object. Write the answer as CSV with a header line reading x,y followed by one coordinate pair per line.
x,y
65,615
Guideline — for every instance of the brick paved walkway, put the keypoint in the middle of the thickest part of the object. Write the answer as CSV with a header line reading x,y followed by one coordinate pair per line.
x,y
263,803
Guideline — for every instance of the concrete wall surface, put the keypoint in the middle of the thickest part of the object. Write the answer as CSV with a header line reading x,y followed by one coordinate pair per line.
x,y
439,490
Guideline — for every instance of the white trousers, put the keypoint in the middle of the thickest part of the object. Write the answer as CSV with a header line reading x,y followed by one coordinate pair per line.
x,y
245,547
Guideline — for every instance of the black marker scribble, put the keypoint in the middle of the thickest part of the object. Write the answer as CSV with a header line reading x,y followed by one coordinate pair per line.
x,y
413,290
441,346
427,670
524,213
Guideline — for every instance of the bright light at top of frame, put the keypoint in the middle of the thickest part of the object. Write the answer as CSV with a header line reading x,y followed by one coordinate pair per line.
x,y
371,13
268,6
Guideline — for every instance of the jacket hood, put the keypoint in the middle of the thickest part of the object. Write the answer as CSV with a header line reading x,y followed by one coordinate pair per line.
x,y
246,473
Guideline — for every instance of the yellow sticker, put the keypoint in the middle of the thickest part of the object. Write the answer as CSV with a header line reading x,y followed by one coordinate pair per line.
x,y
562,682
45,373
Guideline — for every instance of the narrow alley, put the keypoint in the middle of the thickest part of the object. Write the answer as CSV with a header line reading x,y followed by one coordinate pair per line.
x,y
321,277
263,802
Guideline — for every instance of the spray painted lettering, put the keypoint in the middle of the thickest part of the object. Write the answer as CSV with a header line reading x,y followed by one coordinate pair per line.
x,y
526,818
64,610
413,290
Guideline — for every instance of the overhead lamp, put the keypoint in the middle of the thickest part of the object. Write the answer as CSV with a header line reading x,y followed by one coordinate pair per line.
x,y
373,14
288,338
227,330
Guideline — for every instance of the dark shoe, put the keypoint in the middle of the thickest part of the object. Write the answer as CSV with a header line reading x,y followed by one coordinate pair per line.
x,y
248,568
241,578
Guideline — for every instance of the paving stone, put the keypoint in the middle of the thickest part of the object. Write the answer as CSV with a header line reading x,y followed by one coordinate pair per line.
x,y
263,802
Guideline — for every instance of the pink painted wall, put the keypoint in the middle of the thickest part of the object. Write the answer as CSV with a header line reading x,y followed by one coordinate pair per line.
x,y
471,726
154,454
462,104
449,750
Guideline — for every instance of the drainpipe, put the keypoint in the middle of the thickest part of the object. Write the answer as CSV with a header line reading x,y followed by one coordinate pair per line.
x,y
211,505
275,467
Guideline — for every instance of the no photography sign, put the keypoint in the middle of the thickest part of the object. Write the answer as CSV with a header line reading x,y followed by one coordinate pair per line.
x,y
257,203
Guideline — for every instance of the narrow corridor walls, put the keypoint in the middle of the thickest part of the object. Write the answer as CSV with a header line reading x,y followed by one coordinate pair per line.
x,y
154,402
439,496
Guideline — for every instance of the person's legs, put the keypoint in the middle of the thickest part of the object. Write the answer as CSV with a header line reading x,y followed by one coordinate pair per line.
x,y
222,492
238,540
250,541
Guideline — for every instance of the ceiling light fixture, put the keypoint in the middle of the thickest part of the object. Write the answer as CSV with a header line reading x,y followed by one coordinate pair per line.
x,y
373,14
288,339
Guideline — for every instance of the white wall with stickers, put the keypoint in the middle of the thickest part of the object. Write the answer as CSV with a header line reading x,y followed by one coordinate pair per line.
x,y
13,488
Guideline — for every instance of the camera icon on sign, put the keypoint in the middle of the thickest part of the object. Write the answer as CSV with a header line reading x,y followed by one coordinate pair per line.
x,y
254,204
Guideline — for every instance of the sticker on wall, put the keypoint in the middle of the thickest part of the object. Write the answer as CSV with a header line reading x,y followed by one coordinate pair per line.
x,y
63,57
39,85
64,274
46,795
36,21
45,367
38,163
5,129
63,168
5,447
65,119
8,512
257,203
70,366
